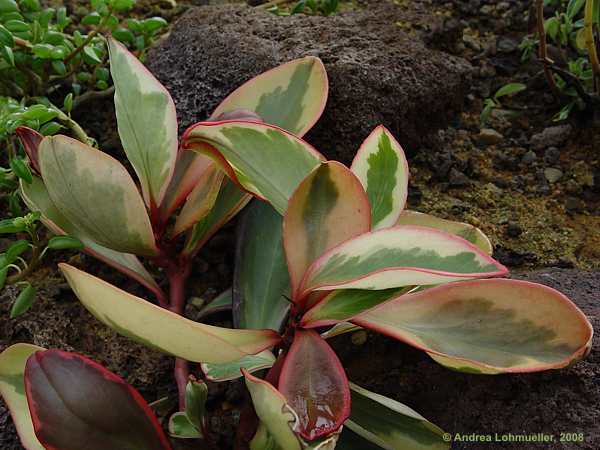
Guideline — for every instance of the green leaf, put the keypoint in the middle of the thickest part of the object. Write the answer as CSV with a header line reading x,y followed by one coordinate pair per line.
x,y
92,19
147,122
16,249
6,37
65,243
12,389
8,55
91,55
274,412
121,5
21,170
153,24
11,226
405,255
329,207
51,128
381,167
574,7
228,203
196,394
464,230
291,96
24,301
3,273
487,326
59,67
390,424
16,26
232,370
37,199
95,193
510,89
8,6
180,426
123,35
161,329
68,103
265,160
261,277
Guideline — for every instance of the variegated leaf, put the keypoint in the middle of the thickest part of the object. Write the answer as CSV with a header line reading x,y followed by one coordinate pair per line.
x,y
466,231
36,198
487,326
267,161
189,169
328,207
161,329
233,370
342,305
390,424
277,418
381,167
291,96
200,201
403,255
315,385
228,203
147,122
94,192
12,390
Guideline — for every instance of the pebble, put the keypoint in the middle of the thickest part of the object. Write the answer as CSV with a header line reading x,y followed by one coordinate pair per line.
x,y
490,136
551,155
507,45
529,157
551,137
359,338
552,174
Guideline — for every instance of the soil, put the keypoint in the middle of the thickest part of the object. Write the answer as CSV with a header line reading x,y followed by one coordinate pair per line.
x,y
545,226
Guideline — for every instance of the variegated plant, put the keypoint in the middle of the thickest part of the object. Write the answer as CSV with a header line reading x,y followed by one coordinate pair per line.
x,y
346,254
85,193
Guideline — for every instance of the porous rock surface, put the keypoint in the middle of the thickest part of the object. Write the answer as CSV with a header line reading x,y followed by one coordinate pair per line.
x,y
377,72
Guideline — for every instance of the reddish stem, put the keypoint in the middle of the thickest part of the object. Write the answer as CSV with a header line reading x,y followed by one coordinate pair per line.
x,y
178,274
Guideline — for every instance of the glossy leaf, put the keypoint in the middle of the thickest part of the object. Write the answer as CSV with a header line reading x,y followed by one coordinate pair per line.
x,y
200,201
381,167
403,255
274,412
24,301
94,192
329,207
147,122
315,385
291,96
36,198
229,202
488,325
189,170
12,390
464,230
261,277
65,243
342,305
263,159
161,329
232,370
390,424
76,403
180,426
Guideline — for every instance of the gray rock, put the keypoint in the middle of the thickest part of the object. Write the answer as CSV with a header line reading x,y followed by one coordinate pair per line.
x,y
552,174
528,158
551,136
552,155
507,44
377,73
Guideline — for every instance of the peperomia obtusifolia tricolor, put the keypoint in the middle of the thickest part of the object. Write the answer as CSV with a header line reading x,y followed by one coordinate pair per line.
x,y
323,249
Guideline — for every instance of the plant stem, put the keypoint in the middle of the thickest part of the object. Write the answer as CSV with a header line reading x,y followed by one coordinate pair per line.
x,y
178,274
89,38
33,263
588,27
543,50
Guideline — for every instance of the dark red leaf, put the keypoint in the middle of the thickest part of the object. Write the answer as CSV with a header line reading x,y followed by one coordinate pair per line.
x,y
31,141
315,385
77,404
